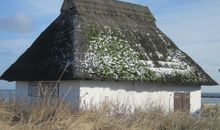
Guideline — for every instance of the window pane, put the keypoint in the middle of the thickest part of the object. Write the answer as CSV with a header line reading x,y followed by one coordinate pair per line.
x,y
43,89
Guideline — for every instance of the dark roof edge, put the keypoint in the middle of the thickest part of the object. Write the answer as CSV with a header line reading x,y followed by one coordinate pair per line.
x,y
214,83
209,83
119,1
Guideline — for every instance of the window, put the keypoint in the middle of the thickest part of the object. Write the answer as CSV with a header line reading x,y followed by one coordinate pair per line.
x,y
43,89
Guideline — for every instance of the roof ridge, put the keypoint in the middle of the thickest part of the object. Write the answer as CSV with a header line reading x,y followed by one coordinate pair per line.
x,y
66,5
110,7
73,3
99,48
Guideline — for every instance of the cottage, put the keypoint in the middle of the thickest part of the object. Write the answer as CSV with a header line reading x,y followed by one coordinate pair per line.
x,y
100,50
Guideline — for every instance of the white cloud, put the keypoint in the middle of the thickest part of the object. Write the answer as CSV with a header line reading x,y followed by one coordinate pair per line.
x,y
193,26
10,50
19,23
13,48
5,53
15,43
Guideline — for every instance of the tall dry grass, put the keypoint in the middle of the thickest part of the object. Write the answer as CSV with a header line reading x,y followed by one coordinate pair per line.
x,y
57,116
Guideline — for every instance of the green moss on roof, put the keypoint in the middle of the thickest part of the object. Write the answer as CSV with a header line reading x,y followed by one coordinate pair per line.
x,y
106,39
109,55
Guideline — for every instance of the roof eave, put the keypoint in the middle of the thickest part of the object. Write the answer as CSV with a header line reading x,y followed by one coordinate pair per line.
x,y
214,83
6,79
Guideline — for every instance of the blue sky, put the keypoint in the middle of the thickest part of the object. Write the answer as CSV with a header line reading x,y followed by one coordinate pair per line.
x,y
192,25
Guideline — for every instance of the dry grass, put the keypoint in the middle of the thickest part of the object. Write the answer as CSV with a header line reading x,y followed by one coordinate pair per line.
x,y
19,116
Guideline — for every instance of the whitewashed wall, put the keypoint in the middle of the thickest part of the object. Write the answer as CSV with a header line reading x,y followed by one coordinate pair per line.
x,y
70,91
133,94
138,94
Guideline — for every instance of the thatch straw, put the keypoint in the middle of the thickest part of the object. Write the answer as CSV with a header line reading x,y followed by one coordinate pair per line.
x,y
150,56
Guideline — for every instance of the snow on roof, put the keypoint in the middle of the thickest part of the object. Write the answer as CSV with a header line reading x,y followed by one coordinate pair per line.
x,y
106,39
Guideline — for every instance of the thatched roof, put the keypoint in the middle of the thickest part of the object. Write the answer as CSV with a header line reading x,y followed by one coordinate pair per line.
x,y
106,40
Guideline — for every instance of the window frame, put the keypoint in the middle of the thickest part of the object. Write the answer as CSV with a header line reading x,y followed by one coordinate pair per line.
x,y
38,89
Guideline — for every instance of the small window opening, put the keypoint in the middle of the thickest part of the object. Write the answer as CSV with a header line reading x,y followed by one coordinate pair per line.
x,y
43,89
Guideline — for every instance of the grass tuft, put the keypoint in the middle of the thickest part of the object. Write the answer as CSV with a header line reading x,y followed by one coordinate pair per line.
x,y
21,116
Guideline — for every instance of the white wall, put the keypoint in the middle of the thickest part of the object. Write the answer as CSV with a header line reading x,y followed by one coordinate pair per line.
x,y
133,94
138,94
195,101
70,91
